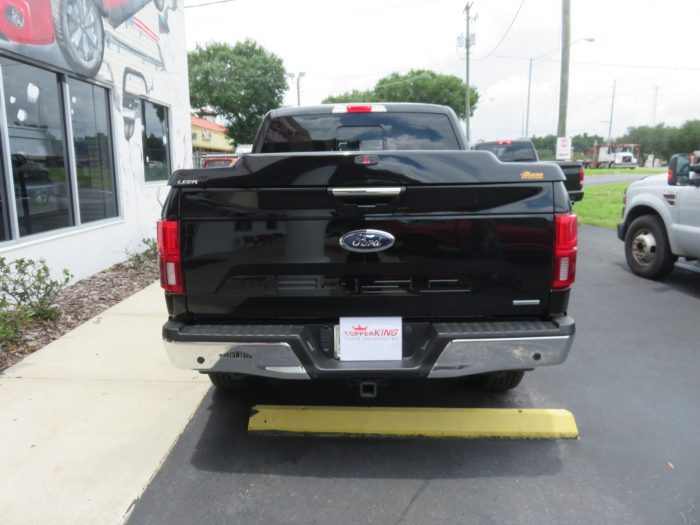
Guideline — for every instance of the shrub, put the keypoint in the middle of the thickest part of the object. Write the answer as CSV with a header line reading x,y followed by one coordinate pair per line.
x,y
149,253
26,284
11,321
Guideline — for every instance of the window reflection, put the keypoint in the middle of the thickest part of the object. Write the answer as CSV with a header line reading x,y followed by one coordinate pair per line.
x,y
37,147
93,154
156,154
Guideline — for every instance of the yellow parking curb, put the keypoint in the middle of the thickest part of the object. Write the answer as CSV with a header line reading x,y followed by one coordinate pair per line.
x,y
533,423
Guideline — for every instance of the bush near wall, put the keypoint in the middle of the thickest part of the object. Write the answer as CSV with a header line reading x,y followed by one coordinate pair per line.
x,y
27,292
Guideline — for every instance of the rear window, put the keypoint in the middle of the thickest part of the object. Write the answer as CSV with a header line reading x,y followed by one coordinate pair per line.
x,y
515,152
360,132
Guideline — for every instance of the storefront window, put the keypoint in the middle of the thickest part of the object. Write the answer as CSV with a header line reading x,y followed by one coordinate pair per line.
x,y
92,141
4,223
156,151
37,147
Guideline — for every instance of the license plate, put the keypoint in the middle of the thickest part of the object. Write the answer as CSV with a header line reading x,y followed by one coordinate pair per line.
x,y
369,339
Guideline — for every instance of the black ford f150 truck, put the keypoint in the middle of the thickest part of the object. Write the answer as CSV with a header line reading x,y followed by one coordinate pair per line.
x,y
358,242
523,150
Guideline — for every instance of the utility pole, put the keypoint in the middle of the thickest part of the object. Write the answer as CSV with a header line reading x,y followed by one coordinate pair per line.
x,y
612,111
565,51
299,75
527,115
656,97
467,46
292,76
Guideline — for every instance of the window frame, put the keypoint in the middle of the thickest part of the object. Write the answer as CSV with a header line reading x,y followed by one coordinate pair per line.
x,y
6,175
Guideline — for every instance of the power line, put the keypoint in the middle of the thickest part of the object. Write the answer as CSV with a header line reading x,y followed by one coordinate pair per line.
x,y
209,3
517,12
606,64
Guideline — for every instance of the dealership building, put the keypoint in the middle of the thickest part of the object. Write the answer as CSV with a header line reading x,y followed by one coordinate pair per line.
x,y
94,115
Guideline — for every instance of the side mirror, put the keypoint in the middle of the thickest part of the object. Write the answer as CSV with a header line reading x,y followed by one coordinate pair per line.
x,y
678,169
694,178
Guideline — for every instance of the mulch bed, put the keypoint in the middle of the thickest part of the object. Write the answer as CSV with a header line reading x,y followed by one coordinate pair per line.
x,y
80,302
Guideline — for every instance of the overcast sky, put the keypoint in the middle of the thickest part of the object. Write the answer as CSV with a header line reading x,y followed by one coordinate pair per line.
x,y
642,44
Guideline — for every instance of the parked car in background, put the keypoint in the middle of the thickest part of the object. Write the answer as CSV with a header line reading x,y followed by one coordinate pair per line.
x,y
661,219
523,150
218,160
33,182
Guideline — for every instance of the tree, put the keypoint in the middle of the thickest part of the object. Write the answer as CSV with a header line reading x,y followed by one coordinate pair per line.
x,y
353,96
241,83
416,86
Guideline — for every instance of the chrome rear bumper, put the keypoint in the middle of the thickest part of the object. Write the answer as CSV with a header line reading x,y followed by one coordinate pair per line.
x,y
475,356
256,359
289,352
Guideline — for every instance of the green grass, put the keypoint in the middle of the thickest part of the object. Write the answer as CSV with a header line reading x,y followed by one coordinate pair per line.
x,y
612,171
601,205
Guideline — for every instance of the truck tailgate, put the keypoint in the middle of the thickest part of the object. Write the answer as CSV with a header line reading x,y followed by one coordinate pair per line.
x,y
466,245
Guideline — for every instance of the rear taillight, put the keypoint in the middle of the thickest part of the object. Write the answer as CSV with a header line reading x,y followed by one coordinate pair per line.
x,y
169,257
360,108
581,175
565,246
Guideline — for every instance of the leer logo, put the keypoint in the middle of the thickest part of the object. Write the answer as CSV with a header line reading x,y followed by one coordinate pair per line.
x,y
532,175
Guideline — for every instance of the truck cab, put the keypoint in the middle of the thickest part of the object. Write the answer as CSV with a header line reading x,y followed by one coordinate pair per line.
x,y
661,219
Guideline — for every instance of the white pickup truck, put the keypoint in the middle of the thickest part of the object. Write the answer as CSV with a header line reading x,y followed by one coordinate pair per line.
x,y
661,219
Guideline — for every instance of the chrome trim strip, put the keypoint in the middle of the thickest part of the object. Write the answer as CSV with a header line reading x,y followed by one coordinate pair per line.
x,y
287,370
526,302
366,192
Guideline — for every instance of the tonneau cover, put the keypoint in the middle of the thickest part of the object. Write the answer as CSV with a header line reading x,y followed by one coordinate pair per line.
x,y
275,170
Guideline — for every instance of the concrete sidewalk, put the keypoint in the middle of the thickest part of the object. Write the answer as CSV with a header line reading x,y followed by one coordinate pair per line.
x,y
86,421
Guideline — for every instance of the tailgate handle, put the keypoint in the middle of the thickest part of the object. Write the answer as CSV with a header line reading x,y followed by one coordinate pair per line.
x,y
367,192
364,198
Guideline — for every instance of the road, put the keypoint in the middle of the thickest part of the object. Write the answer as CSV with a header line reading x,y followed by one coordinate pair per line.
x,y
631,381
597,180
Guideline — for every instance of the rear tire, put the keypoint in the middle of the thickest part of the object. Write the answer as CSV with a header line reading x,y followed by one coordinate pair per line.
x,y
647,250
236,382
79,34
498,382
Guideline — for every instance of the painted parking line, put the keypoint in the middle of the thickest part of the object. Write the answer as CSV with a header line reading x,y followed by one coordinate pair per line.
x,y
515,423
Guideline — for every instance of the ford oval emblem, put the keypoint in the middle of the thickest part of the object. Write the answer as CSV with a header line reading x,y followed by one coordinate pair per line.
x,y
367,241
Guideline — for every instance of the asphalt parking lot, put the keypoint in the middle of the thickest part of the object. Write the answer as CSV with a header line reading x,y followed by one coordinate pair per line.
x,y
631,381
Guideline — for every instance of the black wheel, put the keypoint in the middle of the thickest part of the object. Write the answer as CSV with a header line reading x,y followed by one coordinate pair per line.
x,y
647,250
229,381
79,34
501,381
